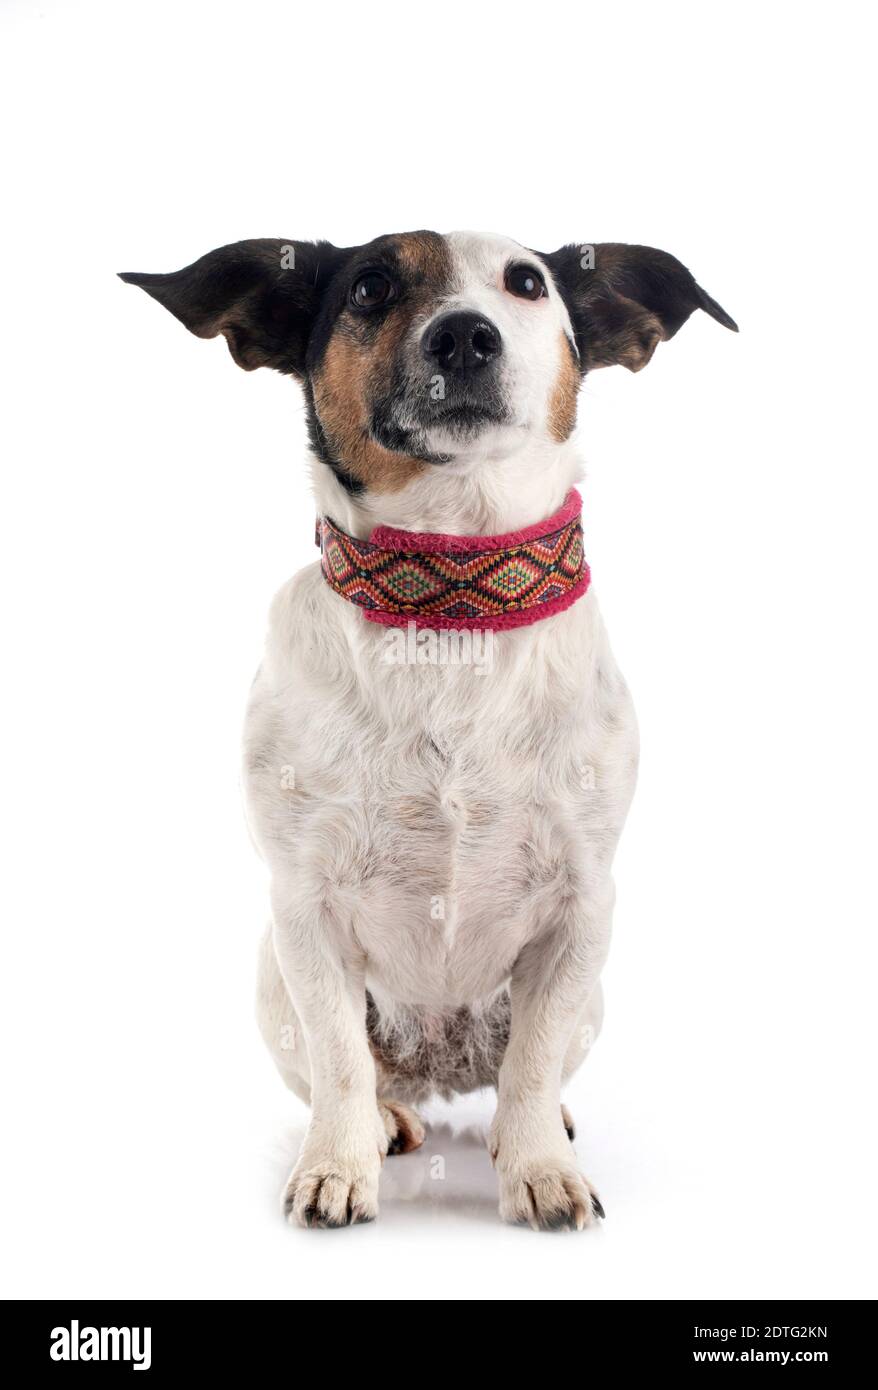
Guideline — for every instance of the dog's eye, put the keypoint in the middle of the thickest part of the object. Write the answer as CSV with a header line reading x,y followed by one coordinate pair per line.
x,y
525,282
371,289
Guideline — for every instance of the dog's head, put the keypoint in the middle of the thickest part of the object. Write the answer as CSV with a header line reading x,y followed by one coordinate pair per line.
x,y
419,350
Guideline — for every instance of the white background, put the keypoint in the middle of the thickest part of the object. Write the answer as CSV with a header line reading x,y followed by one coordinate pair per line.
x,y
155,496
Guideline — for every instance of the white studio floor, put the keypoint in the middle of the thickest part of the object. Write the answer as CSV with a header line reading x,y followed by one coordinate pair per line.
x,y
722,1187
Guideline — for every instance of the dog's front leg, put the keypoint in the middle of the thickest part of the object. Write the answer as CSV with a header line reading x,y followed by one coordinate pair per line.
x,y
335,1179
540,1182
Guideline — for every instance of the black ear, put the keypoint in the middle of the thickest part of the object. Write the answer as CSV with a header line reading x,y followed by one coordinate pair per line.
x,y
623,300
262,295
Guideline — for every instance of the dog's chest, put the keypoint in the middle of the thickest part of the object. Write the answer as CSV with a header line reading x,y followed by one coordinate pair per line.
x,y
442,814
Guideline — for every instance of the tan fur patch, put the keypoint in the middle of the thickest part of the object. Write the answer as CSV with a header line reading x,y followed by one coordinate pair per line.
x,y
625,334
354,372
643,337
562,406
340,398
425,254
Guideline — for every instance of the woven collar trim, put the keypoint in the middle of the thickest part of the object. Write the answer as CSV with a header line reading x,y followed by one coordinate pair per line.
x,y
442,581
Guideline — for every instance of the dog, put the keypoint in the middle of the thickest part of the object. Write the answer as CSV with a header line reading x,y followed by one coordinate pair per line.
x,y
439,831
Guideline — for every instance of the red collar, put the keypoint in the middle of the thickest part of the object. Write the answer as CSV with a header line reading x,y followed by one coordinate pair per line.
x,y
441,581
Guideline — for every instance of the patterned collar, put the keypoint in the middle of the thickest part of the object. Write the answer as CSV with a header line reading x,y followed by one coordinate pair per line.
x,y
441,581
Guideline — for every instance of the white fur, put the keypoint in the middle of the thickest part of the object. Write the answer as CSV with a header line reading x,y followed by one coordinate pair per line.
x,y
438,835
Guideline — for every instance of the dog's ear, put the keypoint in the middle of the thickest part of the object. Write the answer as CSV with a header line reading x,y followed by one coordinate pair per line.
x,y
624,300
263,296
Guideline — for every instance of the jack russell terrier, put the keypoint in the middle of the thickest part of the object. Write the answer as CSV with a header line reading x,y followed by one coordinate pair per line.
x,y
439,830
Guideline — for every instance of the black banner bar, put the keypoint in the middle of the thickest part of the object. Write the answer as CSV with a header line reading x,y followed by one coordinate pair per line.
x,y
80,1337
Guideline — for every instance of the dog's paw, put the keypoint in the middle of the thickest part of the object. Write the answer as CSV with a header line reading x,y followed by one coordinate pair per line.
x,y
404,1128
548,1196
331,1195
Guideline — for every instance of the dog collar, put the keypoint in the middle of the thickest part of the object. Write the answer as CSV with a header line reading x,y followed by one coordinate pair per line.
x,y
441,581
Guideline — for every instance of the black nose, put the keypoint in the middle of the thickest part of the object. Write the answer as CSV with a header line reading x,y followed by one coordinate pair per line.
x,y
461,342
